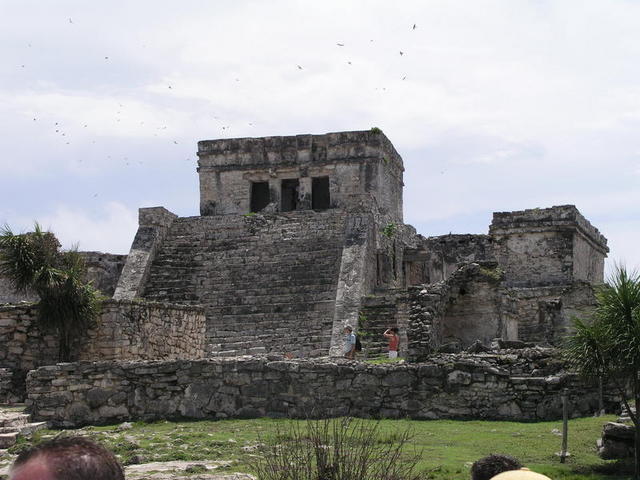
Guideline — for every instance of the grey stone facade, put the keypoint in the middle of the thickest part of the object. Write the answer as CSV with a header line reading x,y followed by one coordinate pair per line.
x,y
507,385
124,330
301,235
296,232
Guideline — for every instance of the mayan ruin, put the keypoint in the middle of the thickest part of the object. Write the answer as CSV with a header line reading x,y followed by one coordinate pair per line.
x,y
331,240
298,237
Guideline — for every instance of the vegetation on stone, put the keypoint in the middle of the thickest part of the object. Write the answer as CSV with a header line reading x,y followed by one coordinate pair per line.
x,y
34,262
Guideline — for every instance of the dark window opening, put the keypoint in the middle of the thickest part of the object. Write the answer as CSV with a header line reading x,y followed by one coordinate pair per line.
x,y
259,196
320,196
289,194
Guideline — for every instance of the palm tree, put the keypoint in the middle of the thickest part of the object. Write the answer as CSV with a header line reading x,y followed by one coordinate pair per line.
x,y
34,262
608,345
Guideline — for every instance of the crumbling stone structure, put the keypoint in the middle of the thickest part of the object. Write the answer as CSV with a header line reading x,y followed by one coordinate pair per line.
x,y
301,235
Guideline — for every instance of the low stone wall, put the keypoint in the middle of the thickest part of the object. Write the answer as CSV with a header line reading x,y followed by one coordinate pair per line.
x,y
125,330
448,386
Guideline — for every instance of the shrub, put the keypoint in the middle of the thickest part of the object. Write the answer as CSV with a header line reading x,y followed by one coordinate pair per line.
x,y
336,449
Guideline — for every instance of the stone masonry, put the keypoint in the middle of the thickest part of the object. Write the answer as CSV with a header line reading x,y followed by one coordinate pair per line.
x,y
124,330
301,235
506,385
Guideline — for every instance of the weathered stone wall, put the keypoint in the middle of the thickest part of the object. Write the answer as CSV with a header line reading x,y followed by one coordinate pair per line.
x,y
137,330
154,224
268,282
475,304
103,270
23,346
123,331
436,258
8,295
466,307
545,314
550,246
358,164
448,386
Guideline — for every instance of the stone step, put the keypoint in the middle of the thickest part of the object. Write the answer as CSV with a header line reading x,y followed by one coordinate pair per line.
x,y
13,419
8,440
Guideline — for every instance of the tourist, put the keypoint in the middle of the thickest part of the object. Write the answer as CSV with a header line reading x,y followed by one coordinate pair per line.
x,y
67,458
349,348
391,334
488,467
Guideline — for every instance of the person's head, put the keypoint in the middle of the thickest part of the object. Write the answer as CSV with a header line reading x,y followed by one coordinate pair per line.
x,y
488,467
348,329
394,330
67,458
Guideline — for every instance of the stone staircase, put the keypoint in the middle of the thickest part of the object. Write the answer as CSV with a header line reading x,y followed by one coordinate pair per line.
x,y
15,423
268,282
378,312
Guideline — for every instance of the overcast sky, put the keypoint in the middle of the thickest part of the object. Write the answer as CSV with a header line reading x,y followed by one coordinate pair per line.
x,y
494,105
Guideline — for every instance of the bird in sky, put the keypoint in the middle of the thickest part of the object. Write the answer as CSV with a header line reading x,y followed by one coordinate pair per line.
x,y
401,52
70,20
414,27
340,44
299,67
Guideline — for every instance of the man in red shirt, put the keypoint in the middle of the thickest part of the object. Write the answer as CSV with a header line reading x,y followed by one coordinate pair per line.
x,y
394,341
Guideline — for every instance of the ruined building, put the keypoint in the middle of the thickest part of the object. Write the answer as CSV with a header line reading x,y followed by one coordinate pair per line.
x,y
298,236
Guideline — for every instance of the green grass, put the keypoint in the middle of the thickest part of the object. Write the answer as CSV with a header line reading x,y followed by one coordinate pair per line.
x,y
381,360
448,447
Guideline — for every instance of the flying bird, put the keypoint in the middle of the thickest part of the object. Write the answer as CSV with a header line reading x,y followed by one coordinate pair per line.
x,y
414,27
401,52
404,78
299,67
340,44
70,21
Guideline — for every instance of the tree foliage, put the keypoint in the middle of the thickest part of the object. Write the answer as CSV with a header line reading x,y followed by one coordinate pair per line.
x,y
608,345
34,262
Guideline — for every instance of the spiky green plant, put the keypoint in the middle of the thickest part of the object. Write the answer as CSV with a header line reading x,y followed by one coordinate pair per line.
x,y
608,345
33,262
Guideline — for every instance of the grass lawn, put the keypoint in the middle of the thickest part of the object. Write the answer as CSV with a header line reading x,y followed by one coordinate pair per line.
x,y
448,447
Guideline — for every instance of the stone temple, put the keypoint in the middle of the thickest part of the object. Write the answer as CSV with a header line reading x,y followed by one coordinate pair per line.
x,y
298,236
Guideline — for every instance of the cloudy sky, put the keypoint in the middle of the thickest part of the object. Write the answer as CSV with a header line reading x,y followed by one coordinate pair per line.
x,y
494,105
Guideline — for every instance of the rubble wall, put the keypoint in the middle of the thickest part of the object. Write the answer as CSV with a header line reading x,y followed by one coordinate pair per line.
x,y
71,395
123,331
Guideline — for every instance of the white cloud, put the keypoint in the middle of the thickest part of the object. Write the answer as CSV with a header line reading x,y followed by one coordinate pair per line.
x,y
504,104
110,230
